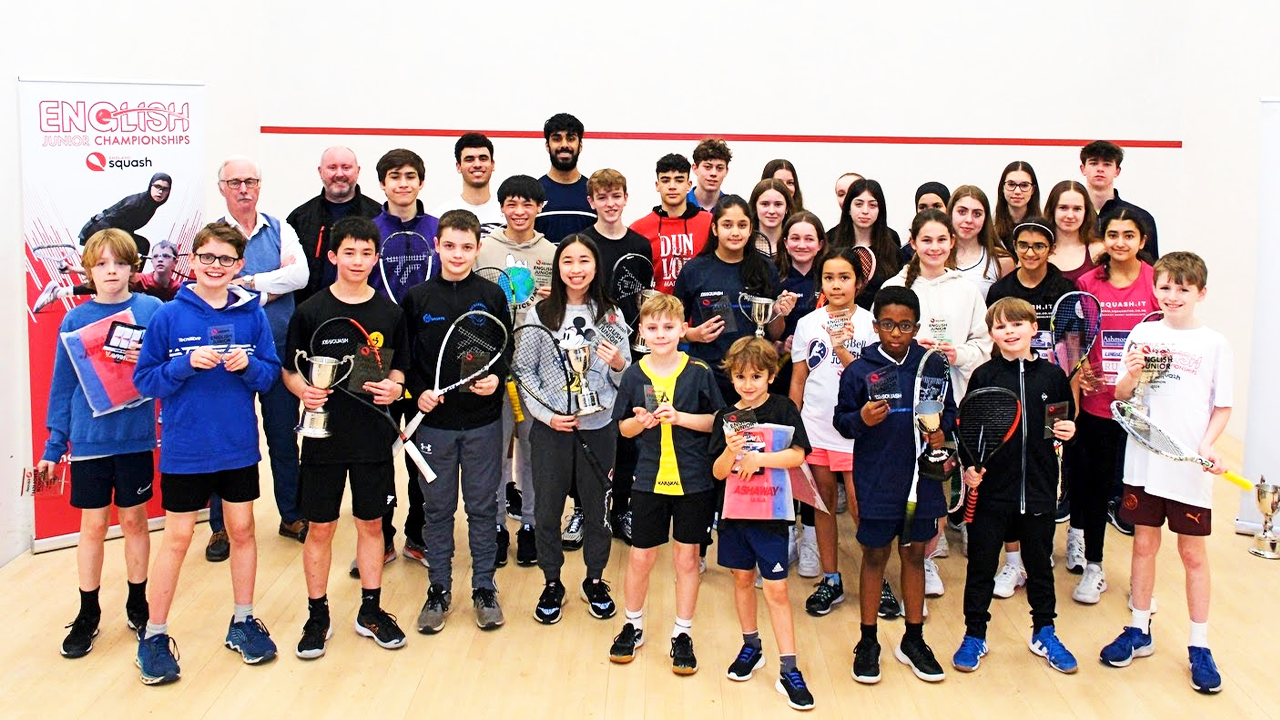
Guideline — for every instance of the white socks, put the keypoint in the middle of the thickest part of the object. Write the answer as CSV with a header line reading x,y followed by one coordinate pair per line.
x,y
682,626
1199,635
636,619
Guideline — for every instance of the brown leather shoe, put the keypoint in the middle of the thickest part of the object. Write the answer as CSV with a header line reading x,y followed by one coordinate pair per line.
x,y
219,547
296,530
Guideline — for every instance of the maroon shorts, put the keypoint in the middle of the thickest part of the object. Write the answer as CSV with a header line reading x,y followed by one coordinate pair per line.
x,y
1142,508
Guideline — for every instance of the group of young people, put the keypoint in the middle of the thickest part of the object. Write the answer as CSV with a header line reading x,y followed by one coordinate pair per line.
x,y
974,286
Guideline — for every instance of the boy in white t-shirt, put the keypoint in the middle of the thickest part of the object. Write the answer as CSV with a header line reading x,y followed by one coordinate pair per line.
x,y
825,342
1192,402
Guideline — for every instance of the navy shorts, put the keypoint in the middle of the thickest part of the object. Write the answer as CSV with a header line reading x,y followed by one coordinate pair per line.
x,y
749,546
320,489
874,533
657,518
189,492
126,480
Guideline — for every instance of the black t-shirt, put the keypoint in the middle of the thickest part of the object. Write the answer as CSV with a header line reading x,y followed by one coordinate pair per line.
x,y
610,251
777,410
1042,297
357,434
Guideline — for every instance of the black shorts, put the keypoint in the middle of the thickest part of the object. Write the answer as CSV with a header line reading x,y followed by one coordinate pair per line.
x,y
189,492
875,533
129,478
656,518
1142,508
320,489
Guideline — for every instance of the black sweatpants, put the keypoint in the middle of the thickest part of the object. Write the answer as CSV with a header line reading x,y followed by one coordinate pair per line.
x,y
624,471
987,532
557,461
1095,465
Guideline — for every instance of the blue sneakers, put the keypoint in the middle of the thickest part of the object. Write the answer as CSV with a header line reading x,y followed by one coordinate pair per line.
x,y
1204,672
158,660
1132,643
251,639
792,685
969,655
1046,644
749,660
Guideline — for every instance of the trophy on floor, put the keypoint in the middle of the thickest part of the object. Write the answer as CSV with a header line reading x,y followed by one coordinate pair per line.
x,y
578,357
323,375
758,309
933,463
1265,543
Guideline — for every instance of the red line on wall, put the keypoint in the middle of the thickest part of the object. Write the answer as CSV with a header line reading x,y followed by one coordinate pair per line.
x,y
736,137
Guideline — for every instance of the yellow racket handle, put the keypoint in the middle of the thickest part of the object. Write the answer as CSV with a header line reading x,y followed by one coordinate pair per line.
x,y
1234,479
516,411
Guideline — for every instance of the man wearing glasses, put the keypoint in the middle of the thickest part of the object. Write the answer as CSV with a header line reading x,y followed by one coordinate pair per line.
x,y
274,266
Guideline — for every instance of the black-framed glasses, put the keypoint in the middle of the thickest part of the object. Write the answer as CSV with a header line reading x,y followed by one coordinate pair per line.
x,y
235,183
1011,186
160,186
1038,248
889,326
210,258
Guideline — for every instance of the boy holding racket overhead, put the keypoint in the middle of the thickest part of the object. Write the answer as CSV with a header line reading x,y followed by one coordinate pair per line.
x,y
875,410
333,323
1192,402
1017,487
461,430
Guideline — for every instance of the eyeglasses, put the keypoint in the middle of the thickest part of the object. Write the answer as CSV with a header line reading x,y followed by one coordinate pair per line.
x,y
160,186
1036,248
235,183
1011,186
210,258
889,326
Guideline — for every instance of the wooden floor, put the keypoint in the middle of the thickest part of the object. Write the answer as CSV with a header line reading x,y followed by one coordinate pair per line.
x,y
527,670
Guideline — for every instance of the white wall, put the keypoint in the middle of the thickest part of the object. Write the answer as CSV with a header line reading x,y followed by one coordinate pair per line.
x,y
1150,70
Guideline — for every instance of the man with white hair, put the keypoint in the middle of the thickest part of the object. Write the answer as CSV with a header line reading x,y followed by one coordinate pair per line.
x,y
275,266
312,220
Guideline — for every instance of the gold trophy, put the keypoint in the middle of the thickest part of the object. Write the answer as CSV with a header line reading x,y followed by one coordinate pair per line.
x,y
1265,543
578,357
929,420
757,309
323,375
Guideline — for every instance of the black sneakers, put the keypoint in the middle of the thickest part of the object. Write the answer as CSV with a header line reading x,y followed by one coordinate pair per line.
x,y
683,661
824,597
625,644
514,501
792,685
504,546
1113,517
315,634
526,546
381,627
79,641
548,610
915,653
596,595
890,607
749,660
866,661
136,617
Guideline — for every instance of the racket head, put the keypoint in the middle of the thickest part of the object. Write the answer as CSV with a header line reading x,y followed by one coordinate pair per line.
x,y
866,265
539,367
763,245
631,275
339,337
499,277
987,419
405,259
1075,324
1149,435
471,345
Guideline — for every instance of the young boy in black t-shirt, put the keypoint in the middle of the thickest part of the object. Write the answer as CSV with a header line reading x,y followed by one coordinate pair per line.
x,y
750,546
359,444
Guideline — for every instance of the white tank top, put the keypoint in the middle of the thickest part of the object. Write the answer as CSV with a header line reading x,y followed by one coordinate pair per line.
x,y
982,274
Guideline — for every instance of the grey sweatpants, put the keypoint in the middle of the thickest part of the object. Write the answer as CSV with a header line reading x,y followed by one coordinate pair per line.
x,y
558,456
473,451
516,469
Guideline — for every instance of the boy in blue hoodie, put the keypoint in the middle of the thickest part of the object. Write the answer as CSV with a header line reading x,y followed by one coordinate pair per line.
x,y
206,355
883,424
111,455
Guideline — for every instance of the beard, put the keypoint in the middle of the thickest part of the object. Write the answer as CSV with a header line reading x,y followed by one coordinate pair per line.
x,y
564,165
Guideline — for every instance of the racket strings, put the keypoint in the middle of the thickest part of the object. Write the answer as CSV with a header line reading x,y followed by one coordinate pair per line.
x,y
1147,433
986,421
540,370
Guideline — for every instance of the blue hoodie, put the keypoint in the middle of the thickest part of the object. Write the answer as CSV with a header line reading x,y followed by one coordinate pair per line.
x,y
210,422
70,419
884,460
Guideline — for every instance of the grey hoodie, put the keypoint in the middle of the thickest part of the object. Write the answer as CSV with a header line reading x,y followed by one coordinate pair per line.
x,y
529,264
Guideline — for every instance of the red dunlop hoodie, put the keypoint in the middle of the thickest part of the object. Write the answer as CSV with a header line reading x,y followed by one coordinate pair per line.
x,y
675,241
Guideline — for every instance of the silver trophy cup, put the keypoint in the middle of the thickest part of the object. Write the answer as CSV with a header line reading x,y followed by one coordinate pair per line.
x,y
1154,367
578,357
639,345
758,309
323,375
1265,543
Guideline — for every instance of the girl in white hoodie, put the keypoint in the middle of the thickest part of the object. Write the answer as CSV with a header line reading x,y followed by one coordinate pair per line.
x,y
952,319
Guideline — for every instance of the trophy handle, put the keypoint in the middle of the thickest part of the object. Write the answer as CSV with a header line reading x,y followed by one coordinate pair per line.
x,y
297,354
350,361
744,306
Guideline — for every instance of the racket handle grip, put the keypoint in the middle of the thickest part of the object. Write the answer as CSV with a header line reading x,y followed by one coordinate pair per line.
x,y
514,395
970,505
1241,482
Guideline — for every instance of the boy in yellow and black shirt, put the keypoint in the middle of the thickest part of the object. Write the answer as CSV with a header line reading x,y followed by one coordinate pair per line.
x,y
667,402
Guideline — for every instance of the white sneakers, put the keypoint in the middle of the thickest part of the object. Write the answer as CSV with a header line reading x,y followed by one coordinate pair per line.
x,y
810,566
1075,552
1092,585
1010,578
932,581
944,547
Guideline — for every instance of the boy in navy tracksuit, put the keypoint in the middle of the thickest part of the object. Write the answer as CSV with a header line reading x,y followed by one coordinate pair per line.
x,y
205,356
1017,489
880,419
